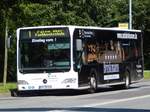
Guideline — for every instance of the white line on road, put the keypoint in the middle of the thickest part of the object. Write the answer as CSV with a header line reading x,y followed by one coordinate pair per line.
x,y
116,101
105,103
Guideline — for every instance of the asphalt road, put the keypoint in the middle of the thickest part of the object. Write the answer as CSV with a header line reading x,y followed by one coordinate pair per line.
x,y
135,99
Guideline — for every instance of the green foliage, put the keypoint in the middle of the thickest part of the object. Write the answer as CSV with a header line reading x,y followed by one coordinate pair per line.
x,y
7,88
103,13
35,14
146,74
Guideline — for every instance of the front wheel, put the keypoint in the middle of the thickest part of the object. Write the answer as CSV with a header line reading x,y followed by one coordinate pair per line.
x,y
93,83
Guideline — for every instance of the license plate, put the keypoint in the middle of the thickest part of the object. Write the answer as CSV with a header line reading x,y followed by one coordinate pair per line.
x,y
45,87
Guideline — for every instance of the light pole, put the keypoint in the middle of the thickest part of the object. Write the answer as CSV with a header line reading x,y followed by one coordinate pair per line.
x,y
6,51
130,14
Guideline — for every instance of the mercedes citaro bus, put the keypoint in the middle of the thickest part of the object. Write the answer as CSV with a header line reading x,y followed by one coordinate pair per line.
x,y
77,57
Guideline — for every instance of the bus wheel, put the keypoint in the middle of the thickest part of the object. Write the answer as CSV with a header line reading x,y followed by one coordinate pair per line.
x,y
16,93
127,80
92,83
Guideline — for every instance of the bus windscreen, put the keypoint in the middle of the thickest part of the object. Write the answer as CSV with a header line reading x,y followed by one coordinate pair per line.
x,y
50,52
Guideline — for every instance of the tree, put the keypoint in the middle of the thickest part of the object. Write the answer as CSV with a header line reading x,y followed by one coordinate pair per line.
x,y
1,42
6,11
142,22
103,13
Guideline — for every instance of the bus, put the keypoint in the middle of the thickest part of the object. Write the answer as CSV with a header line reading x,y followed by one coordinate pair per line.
x,y
78,57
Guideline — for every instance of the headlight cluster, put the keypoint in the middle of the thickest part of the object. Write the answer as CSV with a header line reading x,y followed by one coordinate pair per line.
x,y
69,80
22,82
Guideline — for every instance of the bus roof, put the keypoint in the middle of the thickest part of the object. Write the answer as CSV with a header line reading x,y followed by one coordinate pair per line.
x,y
82,27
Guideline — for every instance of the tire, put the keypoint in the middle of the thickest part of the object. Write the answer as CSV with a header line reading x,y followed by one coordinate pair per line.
x,y
127,80
16,93
93,82
126,84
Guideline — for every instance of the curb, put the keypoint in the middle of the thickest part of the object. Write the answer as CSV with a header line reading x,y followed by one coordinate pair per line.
x,y
5,94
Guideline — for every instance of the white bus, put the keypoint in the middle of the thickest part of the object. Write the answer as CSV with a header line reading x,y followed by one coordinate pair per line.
x,y
77,57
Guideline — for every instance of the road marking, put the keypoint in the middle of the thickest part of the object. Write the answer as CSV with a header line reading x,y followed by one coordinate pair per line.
x,y
56,111
116,101
60,111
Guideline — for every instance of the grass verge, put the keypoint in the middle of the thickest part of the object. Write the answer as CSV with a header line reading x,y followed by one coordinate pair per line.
x,y
7,87
147,74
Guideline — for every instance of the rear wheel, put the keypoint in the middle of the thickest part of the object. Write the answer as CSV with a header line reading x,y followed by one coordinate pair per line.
x,y
126,84
127,80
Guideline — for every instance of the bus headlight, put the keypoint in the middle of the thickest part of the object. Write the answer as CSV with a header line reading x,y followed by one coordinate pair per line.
x,y
69,80
22,82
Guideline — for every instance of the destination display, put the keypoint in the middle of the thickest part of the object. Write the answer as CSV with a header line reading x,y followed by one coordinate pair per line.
x,y
126,36
49,32
86,34
44,33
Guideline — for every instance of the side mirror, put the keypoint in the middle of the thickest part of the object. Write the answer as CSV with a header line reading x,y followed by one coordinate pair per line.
x,y
79,45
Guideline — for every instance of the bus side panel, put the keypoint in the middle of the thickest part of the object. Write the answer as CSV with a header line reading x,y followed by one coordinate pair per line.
x,y
114,74
137,70
83,75
102,78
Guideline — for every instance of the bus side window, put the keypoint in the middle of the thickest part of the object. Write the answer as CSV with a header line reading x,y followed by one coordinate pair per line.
x,y
112,45
91,52
136,52
120,51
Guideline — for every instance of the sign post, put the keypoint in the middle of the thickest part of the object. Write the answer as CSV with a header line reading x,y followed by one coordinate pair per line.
x,y
130,14
123,25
